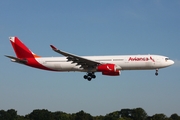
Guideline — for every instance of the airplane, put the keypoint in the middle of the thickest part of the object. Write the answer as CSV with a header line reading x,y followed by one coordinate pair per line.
x,y
107,65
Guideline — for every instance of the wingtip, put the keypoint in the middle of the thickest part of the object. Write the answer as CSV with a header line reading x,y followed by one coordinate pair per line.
x,y
53,47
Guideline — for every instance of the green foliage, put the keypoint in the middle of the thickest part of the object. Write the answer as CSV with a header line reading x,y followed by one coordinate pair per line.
x,y
139,114
113,116
98,118
40,115
81,115
61,116
123,114
175,117
8,115
159,117
126,113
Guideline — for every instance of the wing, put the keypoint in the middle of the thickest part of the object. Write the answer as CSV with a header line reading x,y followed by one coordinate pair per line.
x,y
83,62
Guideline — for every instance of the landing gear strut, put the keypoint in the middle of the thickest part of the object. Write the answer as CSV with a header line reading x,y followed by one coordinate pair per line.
x,y
156,73
89,76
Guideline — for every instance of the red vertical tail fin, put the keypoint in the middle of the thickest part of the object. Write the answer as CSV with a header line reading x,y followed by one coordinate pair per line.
x,y
21,50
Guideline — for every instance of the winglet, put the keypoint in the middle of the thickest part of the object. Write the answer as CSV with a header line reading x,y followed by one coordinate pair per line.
x,y
53,47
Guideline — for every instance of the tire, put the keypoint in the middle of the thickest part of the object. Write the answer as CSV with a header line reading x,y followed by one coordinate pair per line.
x,y
85,76
93,76
89,78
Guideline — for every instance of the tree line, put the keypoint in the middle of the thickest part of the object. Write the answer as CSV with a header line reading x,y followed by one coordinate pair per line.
x,y
123,114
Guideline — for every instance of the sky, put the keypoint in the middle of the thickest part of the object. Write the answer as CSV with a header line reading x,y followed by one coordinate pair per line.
x,y
93,27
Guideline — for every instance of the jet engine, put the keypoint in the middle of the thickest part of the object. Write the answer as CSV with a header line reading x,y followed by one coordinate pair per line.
x,y
106,67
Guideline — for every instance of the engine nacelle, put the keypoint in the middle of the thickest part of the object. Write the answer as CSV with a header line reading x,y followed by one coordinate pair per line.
x,y
109,69
106,68
116,73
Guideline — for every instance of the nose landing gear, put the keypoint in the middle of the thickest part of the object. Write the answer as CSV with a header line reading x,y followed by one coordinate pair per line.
x,y
89,76
156,73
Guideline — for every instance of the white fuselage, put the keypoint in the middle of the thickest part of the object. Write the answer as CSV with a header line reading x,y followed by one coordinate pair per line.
x,y
125,62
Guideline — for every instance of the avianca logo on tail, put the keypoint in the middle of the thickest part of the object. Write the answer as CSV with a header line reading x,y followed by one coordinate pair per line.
x,y
141,59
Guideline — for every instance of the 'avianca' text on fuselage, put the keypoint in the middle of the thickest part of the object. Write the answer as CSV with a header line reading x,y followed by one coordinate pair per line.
x,y
107,65
141,59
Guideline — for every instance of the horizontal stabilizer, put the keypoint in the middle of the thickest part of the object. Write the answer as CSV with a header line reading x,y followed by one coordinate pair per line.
x,y
14,59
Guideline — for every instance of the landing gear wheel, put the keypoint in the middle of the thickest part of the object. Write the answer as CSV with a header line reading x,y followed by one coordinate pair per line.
x,y
89,74
85,76
93,76
89,78
156,72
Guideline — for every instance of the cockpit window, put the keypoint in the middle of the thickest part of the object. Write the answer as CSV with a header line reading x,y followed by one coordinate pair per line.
x,y
166,59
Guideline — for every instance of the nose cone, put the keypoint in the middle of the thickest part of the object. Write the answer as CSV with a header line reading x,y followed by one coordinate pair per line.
x,y
171,62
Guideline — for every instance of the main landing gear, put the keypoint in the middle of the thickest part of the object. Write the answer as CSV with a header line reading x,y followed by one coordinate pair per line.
x,y
156,73
89,76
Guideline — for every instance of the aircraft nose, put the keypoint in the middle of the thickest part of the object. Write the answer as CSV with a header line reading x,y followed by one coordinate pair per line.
x,y
171,62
